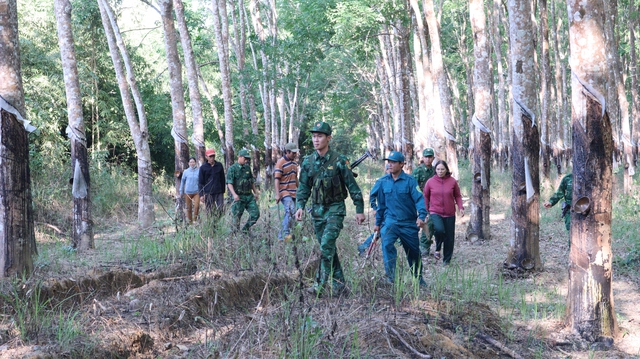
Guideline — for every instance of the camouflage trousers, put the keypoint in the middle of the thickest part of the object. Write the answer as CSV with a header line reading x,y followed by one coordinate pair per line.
x,y
327,223
425,236
567,220
248,202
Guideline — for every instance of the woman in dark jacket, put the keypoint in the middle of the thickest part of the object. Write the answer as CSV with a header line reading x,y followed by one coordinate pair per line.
x,y
441,195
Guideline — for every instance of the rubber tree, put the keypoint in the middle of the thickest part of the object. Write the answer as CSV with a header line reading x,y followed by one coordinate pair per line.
x,y
17,235
590,295
179,117
479,223
134,111
524,251
82,234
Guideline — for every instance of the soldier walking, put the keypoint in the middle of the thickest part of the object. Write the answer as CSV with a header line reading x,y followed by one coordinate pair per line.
x,y
242,186
422,174
325,177
565,191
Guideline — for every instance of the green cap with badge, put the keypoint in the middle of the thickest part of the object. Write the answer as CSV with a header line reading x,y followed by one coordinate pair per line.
x,y
428,152
321,127
244,153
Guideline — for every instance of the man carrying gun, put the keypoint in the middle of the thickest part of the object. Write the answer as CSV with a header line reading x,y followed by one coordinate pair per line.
x,y
325,178
564,191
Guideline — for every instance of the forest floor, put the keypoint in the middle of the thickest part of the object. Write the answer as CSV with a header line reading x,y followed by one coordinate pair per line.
x,y
117,301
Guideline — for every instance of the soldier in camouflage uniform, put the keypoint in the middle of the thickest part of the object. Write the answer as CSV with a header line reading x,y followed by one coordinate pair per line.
x,y
325,177
422,174
242,187
564,191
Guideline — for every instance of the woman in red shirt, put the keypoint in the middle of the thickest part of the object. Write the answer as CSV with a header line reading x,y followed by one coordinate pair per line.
x,y
441,194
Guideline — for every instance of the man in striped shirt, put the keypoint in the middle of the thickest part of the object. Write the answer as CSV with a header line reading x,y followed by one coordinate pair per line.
x,y
286,185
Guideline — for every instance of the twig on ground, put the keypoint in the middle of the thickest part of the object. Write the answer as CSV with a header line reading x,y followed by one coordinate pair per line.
x,y
499,345
56,229
413,350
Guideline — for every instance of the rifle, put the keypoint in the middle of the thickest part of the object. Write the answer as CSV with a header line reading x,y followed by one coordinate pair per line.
x,y
358,161
372,246
565,209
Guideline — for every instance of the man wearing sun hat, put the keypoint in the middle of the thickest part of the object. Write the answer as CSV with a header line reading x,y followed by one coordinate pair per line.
x,y
211,183
242,187
325,177
422,173
286,185
402,210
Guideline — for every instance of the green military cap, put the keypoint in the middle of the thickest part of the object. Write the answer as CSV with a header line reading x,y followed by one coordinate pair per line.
x,y
244,153
321,127
428,152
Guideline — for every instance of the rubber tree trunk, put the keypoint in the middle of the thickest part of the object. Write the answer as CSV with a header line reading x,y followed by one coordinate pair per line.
x,y
82,234
179,129
502,132
480,206
590,296
17,235
221,32
633,73
444,93
524,251
192,77
545,88
137,124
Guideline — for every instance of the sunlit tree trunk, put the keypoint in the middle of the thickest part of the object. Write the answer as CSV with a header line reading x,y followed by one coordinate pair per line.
x,y
221,32
481,179
137,124
524,252
503,126
404,72
557,137
614,62
633,69
192,78
17,235
590,297
179,129
545,88
260,33
611,92
443,87
418,58
82,236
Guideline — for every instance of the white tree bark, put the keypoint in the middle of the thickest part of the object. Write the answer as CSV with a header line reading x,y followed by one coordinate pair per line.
x,y
137,125
443,87
221,31
82,236
192,77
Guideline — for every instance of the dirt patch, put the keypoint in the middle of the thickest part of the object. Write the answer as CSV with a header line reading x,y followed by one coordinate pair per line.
x,y
147,310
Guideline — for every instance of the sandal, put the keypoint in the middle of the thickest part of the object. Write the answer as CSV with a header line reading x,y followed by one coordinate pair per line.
x,y
436,255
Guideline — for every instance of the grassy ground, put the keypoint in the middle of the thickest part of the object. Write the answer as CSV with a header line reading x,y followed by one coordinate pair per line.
x,y
205,291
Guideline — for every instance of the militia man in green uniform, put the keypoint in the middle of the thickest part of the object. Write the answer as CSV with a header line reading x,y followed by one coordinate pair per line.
x,y
325,177
564,191
422,174
242,187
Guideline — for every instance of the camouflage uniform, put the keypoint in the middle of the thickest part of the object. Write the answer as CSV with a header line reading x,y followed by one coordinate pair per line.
x,y
241,178
422,173
564,191
325,180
